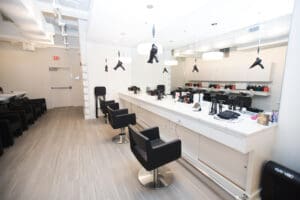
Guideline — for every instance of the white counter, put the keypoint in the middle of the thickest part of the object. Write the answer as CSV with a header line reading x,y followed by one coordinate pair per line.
x,y
243,128
230,152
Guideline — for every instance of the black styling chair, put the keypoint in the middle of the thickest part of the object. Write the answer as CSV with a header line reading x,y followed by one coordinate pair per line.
x,y
1,146
36,108
161,89
25,111
119,118
6,133
41,103
100,98
15,122
152,153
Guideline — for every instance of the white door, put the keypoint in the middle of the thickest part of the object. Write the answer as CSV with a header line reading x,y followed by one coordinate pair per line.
x,y
60,86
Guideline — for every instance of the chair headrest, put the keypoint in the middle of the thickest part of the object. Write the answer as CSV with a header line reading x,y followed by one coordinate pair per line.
x,y
100,91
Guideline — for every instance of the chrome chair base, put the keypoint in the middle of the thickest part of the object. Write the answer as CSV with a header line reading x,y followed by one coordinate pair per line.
x,y
120,139
158,178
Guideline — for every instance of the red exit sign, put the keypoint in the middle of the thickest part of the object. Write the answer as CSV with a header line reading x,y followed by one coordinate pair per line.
x,y
55,57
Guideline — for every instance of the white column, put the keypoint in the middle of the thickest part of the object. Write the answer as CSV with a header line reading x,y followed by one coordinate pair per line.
x,y
82,25
287,147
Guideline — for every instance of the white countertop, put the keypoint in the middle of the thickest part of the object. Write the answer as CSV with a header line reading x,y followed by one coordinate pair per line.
x,y
244,126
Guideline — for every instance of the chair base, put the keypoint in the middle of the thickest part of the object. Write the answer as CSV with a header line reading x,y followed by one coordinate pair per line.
x,y
158,178
120,139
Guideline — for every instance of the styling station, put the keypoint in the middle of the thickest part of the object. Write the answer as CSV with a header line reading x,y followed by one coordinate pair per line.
x,y
230,153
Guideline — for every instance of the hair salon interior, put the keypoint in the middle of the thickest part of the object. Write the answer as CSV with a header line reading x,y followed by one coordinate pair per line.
x,y
149,99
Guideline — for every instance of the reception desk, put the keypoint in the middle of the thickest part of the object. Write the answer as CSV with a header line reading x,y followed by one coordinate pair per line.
x,y
230,153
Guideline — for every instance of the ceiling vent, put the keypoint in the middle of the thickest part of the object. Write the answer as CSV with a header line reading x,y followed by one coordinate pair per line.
x,y
254,29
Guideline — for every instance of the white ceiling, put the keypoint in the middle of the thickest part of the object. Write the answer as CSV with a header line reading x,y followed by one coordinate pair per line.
x,y
177,22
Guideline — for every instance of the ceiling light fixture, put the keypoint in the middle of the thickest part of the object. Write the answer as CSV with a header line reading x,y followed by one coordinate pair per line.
x,y
106,66
195,67
212,55
258,60
165,70
120,63
150,6
144,48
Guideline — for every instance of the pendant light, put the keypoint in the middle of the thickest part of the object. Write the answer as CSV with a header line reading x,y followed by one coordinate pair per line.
x,y
154,49
195,68
258,60
165,70
106,66
119,64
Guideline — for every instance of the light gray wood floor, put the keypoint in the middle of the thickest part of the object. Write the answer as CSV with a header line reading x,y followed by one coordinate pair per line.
x,y
64,157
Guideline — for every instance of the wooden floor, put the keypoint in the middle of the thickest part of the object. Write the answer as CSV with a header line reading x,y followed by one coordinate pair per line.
x,y
63,157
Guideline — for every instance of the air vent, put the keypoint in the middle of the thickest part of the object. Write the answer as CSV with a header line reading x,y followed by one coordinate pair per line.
x,y
6,18
253,29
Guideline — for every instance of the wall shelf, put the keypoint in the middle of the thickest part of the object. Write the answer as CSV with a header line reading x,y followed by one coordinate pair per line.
x,y
254,93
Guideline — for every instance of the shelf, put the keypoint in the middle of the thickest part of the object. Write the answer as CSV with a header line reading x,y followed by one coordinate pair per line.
x,y
250,82
254,93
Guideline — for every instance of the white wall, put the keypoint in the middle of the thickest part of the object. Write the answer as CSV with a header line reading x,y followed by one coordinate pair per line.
x,y
29,71
114,81
243,59
149,75
287,148
177,75
138,72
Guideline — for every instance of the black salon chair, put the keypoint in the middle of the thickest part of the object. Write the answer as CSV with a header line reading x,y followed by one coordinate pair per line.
x,y
222,98
244,101
100,98
15,122
161,89
1,146
119,118
36,107
41,103
6,133
25,111
152,153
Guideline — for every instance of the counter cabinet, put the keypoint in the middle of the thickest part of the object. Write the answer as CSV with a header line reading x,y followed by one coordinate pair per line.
x,y
236,169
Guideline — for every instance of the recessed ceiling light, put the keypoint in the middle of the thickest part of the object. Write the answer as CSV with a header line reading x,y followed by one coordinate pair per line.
x,y
149,6
214,24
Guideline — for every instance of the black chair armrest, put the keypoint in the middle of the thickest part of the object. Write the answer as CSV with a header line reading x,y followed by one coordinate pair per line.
x,y
104,103
151,133
170,150
113,106
126,119
120,112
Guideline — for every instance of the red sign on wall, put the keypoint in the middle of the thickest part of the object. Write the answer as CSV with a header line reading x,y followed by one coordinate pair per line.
x,y
55,57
